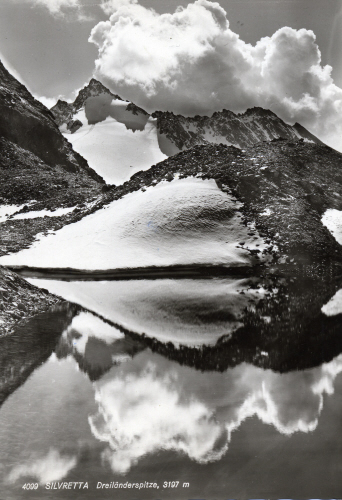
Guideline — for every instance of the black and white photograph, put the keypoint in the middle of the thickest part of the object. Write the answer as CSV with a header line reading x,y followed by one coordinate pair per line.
x,y
170,249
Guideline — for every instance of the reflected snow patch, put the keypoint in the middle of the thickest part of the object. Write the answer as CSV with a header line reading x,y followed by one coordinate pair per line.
x,y
334,306
178,311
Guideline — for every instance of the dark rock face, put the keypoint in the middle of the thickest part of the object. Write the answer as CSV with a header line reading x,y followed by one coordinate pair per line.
x,y
74,125
38,166
31,126
240,130
25,177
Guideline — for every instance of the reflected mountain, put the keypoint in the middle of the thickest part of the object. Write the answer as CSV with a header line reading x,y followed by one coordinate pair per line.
x,y
134,404
274,321
95,345
30,345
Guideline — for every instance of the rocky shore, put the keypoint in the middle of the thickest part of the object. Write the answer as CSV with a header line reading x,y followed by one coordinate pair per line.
x,y
20,301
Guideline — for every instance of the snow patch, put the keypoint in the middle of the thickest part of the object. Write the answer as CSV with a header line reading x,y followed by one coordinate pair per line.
x,y
332,219
7,210
44,213
334,306
186,221
115,152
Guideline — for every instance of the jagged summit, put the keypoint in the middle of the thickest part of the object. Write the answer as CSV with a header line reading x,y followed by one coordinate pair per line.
x,y
241,130
64,112
177,133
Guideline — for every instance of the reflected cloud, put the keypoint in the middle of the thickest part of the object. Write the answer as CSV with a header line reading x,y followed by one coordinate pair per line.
x,y
164,406
51,467
143,413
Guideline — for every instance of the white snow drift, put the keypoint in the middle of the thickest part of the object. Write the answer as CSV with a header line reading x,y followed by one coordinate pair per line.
x,y
115,152
186,221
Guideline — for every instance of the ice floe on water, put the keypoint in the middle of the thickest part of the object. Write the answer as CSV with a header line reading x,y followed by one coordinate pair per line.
x,y
186,221
332,219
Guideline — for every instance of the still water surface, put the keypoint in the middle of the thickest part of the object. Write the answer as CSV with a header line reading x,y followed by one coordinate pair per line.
x,y
85,401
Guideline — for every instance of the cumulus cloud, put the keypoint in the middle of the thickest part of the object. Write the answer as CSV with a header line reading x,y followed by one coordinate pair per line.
x,y
58,6
47,101
191,62
69,9
51,467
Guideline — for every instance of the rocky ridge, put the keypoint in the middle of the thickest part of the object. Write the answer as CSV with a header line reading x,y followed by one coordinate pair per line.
x,y
240,130
177,132
20,300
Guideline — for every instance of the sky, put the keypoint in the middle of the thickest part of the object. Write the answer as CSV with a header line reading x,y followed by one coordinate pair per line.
x,y
284,55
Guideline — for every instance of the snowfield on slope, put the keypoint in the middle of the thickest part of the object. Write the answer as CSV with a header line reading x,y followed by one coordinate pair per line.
x,y
186,221
114,151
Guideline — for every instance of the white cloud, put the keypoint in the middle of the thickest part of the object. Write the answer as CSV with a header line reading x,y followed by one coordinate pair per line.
x,y
47,101
57,6
110,6
52,467
191,62
69,9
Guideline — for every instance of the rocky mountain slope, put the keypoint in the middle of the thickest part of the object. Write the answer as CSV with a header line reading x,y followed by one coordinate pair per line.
x,y
39,170
40,174
282,190
241,130
31,126
177,133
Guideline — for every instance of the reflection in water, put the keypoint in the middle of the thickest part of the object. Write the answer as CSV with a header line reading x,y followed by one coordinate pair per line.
x,y
178,311
99,404
95,345
51,467
151,406
143,412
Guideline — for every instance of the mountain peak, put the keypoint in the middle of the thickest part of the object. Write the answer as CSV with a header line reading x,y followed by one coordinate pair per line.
x,y
94,88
